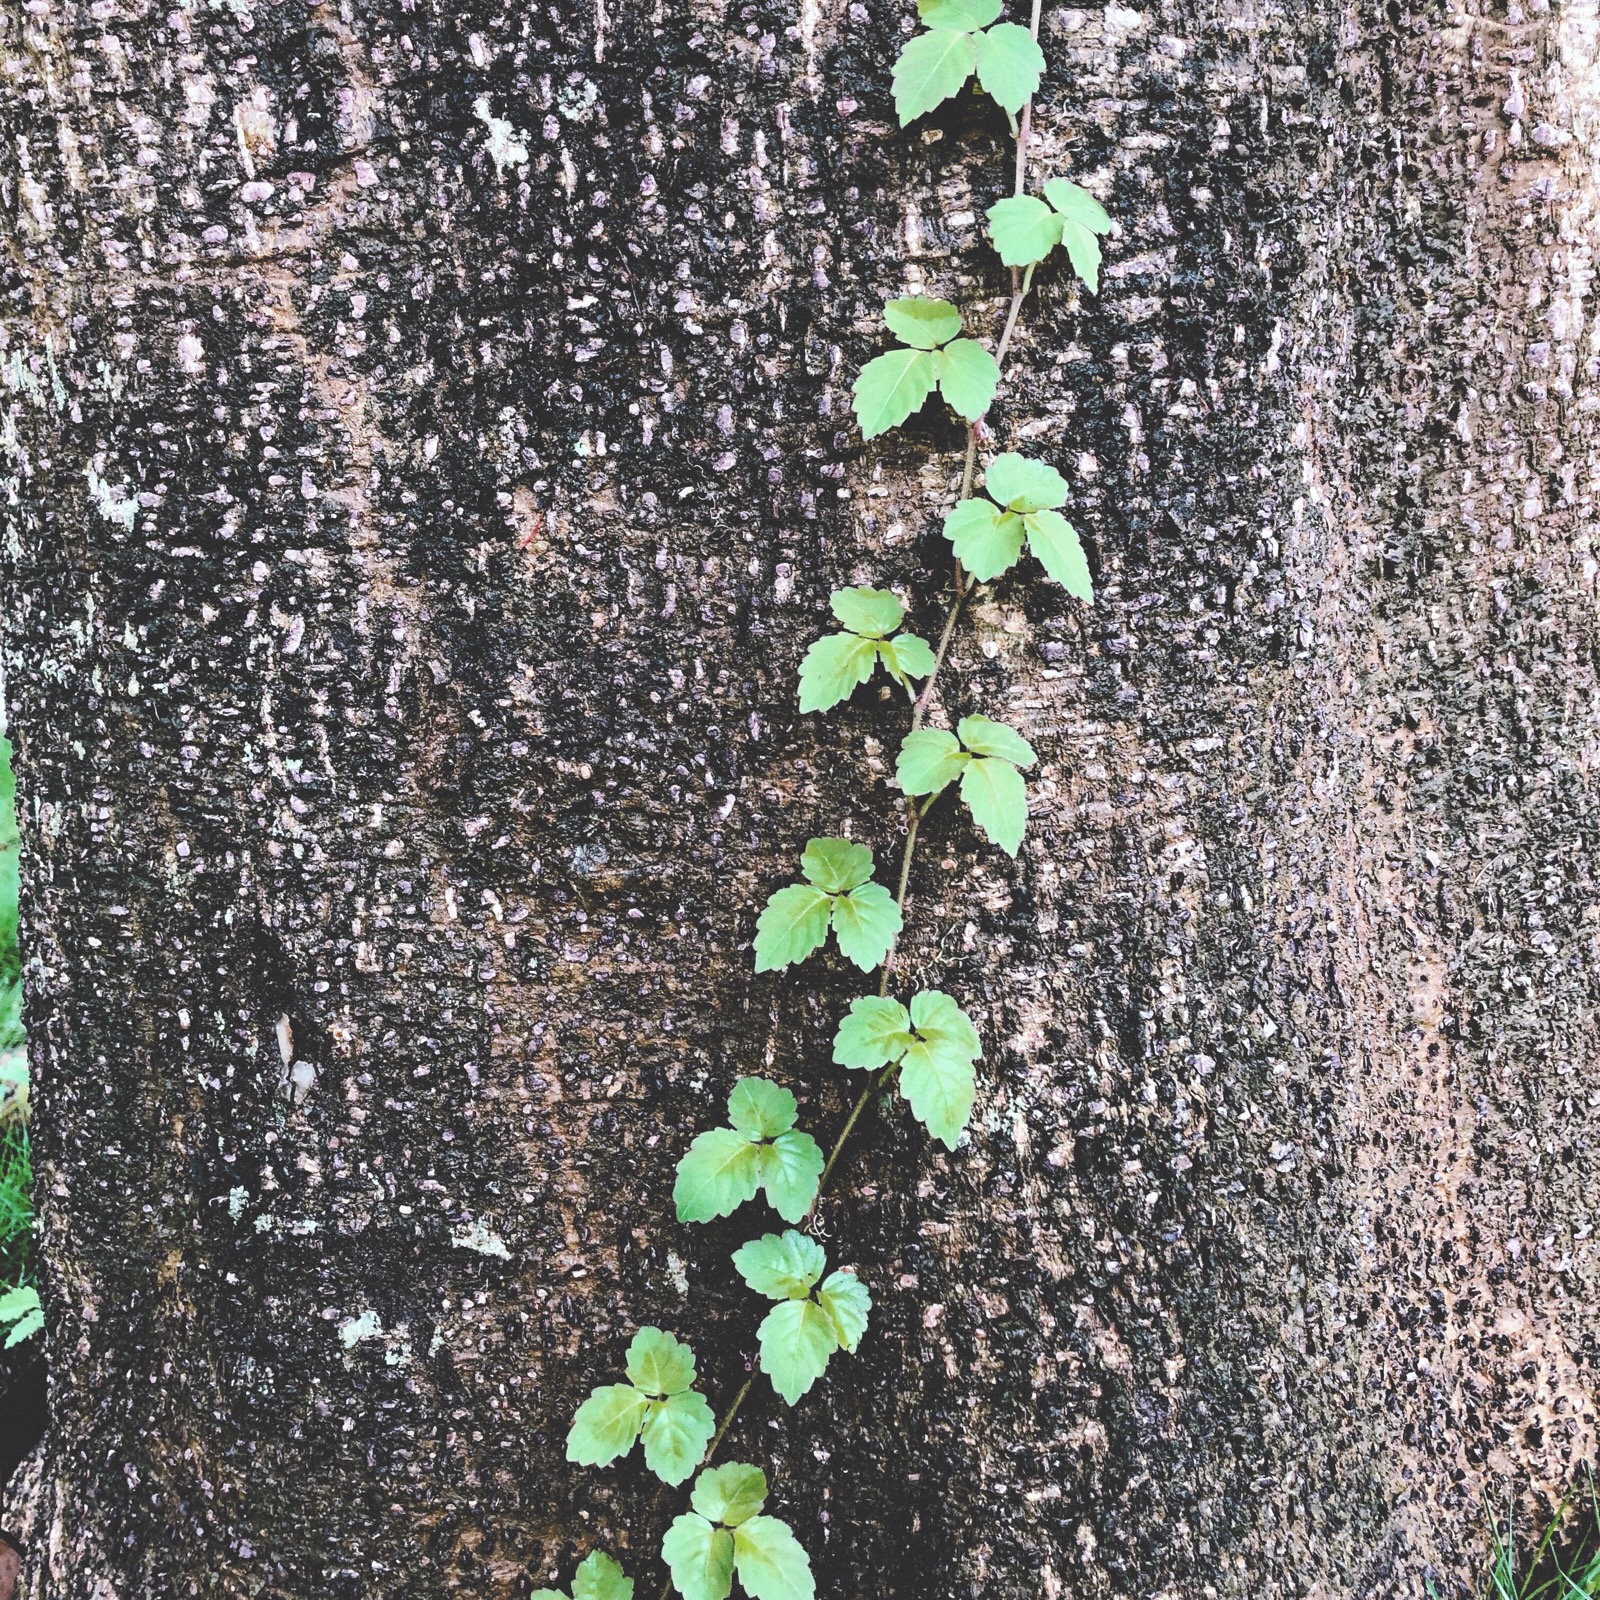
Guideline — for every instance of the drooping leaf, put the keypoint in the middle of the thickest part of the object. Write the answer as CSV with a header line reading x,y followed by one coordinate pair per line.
x,y
932,67
770,1562
676,1434
873,612
890,387
699,1557
1083,250
836,865
929,759
658,1363
796,1339
1055,543
921,321
1024,229
843,1296
720,1171
984,737
872,1033
866,923
1010,65
794,923
761,1110
964,16
730,1494
833,668
790,1168
600,1578
998,800
781,1266
606,1425
1020,484
1077,205
939,1087
987,540
29,1324
18,1302
907,656
944,1026
968,377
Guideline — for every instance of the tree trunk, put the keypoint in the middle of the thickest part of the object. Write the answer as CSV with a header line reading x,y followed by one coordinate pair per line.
x,y
428,453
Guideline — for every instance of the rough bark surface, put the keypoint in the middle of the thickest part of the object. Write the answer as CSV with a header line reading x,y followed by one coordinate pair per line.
x,y
411,529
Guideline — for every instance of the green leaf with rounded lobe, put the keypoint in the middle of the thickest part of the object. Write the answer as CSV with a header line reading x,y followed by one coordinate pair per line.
x,y
843,1296
984,737
1020,484
658,1363
699,1557
836,865
790,1168
1076,204
1024,229
793,924
1083,250
833,668
928,760
940,1088
600,1578
932,67
1010,65
998,800
873,612
866,923
907,656
30,1323
872,1033
965,16
761,1110
676,1434
890,387
1054,541
796,1339
944,1025
781,1266
730,1494
987,540
968,377
770,1561
921,321
606,1424
718,1173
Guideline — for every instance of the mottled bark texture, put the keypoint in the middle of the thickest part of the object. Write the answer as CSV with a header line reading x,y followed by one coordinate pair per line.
x,y
412,525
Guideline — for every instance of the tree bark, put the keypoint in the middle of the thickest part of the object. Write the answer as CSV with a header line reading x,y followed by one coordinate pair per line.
x,y
413,521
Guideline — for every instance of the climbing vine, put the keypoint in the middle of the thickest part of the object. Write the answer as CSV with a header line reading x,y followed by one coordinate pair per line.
x,y
925,1044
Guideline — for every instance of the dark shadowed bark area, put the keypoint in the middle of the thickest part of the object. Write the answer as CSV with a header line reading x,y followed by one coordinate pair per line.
x,y
427,453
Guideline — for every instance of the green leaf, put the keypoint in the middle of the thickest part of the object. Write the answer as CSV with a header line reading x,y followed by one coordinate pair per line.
x,y
907,656
872,1033
1083,249
968,377
606,1424
833,668
1077,205
676,1434
1055,543
843,1296
31,1324
770,1562
721,1170
866,922
987,540
1023,485
1010,65
600,1578
18,1302
964,16
699,1557
890,387
1024,229
659,1363
547,1594
793,924
761,1110
730,1494
939,1087
921,321
985,738
998,800
790,1169
836,865
873,612
928,760
945,1026
781,1266
932,67
796,1339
